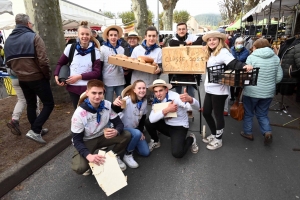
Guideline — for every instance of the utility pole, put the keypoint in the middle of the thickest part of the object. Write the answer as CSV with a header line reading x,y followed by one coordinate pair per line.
x,y
158,15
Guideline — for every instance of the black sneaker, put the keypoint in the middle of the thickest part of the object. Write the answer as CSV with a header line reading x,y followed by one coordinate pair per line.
x,y
14,127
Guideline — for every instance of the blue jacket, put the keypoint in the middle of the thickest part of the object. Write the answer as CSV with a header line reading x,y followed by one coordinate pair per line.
x,y
241,56
270,73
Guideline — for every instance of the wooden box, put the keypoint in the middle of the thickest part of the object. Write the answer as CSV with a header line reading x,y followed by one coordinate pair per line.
x,y
184,60
136,65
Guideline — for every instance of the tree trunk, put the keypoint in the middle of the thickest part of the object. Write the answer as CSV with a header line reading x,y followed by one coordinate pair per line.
x,y
139,8
168,6
48,24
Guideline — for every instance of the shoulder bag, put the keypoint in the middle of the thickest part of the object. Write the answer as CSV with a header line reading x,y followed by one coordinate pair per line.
x,y
237,109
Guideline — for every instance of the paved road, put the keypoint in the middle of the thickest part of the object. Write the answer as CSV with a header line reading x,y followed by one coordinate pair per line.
x,y
241,169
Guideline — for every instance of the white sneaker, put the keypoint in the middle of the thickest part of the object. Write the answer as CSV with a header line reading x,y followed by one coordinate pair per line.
x,y
209,139
36,137
88,172
153,145
128,159
194,147
121,163
214,144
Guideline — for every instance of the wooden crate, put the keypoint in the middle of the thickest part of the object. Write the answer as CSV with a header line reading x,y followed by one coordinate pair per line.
x,y
135,65
184,60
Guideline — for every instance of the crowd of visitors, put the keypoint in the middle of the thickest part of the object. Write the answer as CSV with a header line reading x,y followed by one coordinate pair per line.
x,y
100,121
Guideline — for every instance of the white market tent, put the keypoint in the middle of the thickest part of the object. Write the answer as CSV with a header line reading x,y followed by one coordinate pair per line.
x,y
6,24
6,7
73,21
272,8
68,21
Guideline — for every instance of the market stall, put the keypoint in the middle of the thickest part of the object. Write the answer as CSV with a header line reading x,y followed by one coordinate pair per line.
x,y
6,7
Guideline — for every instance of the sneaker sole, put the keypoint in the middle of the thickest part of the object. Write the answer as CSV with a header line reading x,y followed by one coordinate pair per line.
x,y
155,147
87,173
206,140
123,169
35,140
193,151
210,147
13,129
132,167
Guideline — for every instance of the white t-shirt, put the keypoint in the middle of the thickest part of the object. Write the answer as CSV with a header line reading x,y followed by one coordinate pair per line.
x,y
156,54
224,57
83,120
113,75
131,115
182,117
81,64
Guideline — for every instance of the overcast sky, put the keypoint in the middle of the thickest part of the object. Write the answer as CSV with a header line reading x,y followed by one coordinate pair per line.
x,y
194,7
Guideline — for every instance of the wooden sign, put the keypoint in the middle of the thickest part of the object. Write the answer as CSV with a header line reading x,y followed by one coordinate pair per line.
x,y
109,175
160,106
184,60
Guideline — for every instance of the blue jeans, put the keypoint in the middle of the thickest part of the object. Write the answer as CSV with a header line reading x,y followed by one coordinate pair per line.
x,y
42,89
260,108
109,92
190,90
136,143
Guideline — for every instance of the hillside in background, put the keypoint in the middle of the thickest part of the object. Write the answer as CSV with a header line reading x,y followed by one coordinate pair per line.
x,y
208,19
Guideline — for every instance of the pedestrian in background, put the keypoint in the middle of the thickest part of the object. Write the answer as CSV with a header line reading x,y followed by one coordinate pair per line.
x,y
257,99
25,54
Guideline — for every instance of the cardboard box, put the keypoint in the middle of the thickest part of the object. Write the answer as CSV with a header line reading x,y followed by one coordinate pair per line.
x,y
136,65
183,60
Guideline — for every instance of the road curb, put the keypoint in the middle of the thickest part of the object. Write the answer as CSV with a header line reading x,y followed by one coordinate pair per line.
x,y
27,166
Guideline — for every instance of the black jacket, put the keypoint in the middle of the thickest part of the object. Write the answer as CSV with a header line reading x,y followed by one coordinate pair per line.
x,y
289,54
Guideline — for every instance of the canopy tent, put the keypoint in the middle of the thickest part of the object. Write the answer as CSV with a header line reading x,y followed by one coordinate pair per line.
x,y
266,21
271,8
236,25
73,21
6,24
6,7
68,21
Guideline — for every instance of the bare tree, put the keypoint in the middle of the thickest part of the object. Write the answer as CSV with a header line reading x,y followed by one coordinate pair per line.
x,y
139,8
250,4
231,9
48,24
168,7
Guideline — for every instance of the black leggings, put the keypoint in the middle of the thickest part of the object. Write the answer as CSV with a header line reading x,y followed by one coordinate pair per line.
x,y
179,143
216,103
74,99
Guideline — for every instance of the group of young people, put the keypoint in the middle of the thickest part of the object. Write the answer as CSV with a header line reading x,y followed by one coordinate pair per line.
x,y
99,121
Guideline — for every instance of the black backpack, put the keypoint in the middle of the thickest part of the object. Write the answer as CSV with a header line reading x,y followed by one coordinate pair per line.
x,y
64,72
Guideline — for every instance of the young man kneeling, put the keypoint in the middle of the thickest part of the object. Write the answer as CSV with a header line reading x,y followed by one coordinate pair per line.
x,y
176,127
90,133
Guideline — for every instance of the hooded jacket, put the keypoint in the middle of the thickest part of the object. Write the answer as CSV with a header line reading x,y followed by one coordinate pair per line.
x,y
240,55
270,73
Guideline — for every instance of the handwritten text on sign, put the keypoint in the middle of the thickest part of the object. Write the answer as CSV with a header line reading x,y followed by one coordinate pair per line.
x,y
184,60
